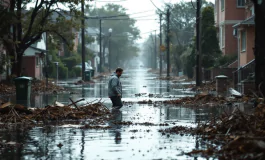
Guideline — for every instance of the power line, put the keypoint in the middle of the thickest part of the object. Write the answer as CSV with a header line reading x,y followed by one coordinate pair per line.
x,y
121,15
129,19
120,35
112,1
114,16
140,12
157,7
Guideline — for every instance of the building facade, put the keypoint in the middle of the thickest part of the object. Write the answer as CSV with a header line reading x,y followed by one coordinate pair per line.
x,y
33,59
227,14
94,46
245,33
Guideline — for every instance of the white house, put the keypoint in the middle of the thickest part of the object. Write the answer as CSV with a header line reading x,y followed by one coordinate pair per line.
x,y
33,59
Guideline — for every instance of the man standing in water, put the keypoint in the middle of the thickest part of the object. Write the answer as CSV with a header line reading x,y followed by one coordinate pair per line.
x,y
115,89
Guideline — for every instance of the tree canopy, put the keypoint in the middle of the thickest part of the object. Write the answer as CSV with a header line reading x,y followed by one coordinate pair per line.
x,y
28,25
124,35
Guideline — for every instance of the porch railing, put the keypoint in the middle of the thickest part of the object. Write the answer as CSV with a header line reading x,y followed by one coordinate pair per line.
x,y
243,72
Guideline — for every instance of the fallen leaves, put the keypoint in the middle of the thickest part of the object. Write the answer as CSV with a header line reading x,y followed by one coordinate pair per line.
x,y
197,100
36,87
17,113
241,135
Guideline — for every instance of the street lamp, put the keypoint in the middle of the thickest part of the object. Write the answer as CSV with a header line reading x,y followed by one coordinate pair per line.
x,y
110,31
56,63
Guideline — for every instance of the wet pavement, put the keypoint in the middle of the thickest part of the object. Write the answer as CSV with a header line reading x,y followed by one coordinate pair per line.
x,y
122,141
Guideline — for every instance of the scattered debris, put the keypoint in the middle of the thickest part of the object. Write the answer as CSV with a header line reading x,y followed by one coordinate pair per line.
x,y
203,99
95,127
175,79
235,93
240,135
60,145
10,113
81,82
37,87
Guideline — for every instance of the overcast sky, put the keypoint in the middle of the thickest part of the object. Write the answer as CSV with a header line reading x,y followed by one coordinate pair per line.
x,y
150,20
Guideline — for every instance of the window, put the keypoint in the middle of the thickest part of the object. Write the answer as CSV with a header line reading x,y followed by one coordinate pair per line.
x,y
240,3
37,61
222,36
252,9
222,5
243,41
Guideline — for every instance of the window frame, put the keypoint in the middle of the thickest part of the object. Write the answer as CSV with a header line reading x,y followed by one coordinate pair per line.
x,y
252,9
37,61
222,36
240,1
222,5
243,44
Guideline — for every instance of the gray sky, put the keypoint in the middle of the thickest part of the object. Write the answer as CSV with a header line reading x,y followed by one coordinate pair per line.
x,y
135,6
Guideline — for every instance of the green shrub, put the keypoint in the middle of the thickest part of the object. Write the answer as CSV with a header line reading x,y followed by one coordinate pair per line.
x,y
76,72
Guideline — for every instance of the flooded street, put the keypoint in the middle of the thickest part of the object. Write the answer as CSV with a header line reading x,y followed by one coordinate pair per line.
x,y
138,141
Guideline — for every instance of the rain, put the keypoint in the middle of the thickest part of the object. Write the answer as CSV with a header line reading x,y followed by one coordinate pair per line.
x,y
127,79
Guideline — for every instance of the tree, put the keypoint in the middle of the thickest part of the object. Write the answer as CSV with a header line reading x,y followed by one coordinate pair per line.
x,y
182,22
210,50
30,24
149,51
124,34
259,50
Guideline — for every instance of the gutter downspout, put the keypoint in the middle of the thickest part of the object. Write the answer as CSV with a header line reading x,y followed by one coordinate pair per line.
x,y
238,58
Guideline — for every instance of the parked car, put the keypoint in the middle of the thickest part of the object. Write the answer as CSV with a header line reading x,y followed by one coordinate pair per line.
x,y
88,67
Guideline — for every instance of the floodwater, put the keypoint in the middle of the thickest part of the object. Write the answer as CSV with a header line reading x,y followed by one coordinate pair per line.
x,y
120,142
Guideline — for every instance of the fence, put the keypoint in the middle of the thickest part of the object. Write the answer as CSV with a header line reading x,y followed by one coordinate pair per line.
x,y
243,72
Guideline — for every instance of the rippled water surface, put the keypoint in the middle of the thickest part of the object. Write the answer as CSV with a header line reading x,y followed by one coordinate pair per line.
x,y
120,142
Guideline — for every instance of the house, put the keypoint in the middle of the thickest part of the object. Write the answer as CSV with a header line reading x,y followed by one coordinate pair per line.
x,y
93,46
33,59
235,21
245,33
227,14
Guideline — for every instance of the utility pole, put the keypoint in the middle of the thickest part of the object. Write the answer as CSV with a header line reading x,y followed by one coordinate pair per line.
x,y
160,19
168,44
198,36
83,38
100,46
155,52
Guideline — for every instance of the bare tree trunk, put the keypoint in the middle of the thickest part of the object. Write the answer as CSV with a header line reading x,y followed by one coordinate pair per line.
x,y
17,37
259,50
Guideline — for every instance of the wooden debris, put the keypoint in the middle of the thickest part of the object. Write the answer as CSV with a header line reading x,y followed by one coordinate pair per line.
x,y
10,113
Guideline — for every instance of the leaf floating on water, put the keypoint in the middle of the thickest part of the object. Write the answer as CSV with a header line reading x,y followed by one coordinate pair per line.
x,y
59,145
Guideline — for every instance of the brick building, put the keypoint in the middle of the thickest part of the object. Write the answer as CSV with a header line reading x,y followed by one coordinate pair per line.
x,y
245,33
227,14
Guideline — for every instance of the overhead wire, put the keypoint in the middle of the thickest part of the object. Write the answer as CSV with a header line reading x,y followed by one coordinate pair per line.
x,y
112,1
129,19
117,35
157,7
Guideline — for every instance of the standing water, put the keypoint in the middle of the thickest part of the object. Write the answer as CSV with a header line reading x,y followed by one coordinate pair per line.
x,y
121,141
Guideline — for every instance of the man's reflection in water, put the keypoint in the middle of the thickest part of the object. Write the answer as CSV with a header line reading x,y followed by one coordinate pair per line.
x,y
116,117
168,86
83,92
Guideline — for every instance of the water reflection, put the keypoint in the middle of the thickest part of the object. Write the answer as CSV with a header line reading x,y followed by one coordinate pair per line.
x,y
120,141
134,81
116,132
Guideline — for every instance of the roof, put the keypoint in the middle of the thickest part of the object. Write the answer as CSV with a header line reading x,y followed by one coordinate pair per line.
x,y
38,49
248,21
92,31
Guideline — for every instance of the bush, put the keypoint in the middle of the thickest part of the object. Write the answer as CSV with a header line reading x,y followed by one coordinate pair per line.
x,y
72,61
225,60
76,72
62,71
